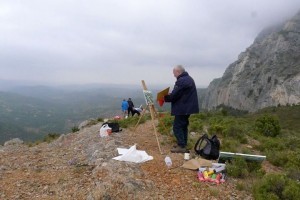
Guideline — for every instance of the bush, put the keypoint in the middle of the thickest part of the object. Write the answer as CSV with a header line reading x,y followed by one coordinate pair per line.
x,y
50,137
236,131
131,121
292,190
294,173
237,168
276,186
196,126
230,145
199,116
287,159
100,119
165,124
74,129
268,125
277,158
273,144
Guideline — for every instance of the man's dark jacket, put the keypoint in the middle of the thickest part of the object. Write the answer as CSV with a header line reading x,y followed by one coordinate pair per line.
x,y
184,99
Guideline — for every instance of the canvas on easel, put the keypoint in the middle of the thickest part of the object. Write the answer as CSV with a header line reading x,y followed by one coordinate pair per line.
x,y
148,97
150,104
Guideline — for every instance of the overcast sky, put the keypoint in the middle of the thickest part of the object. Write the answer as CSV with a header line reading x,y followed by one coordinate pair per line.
x,y
126,41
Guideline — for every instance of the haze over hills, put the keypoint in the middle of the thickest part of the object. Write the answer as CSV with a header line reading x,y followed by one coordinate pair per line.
x,y
266,74
31,112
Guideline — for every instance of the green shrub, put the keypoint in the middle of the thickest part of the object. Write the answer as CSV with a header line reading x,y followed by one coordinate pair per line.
x,y
100,119
236,131
294,173
287,158
276,186
216,129
131,121
237,168
199,116
75,129
292,190
165,124
50,137
268,125
277,158
292,143
230,145
196,126
293,159
273,144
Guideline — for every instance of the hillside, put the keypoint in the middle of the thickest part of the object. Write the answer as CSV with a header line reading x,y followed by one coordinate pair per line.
x,y
266,74
80,166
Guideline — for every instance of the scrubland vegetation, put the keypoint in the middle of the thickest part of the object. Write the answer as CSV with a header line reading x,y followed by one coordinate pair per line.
x,y
273,132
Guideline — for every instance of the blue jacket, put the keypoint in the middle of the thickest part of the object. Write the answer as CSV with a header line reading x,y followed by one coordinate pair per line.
x,y
184,98
124,105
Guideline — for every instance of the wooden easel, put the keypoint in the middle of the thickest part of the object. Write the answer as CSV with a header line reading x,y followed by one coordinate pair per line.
x,y
152,113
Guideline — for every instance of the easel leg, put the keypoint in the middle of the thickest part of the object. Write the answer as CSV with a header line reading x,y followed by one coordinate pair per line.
x,y
152,110
154,127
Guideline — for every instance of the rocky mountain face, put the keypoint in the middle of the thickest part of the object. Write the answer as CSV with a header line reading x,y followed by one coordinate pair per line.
x,y
266,74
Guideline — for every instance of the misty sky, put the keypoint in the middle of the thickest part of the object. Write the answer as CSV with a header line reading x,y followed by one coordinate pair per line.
x,y
125,41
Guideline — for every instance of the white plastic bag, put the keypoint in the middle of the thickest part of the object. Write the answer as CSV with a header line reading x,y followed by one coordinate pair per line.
x,y
132,155
105,130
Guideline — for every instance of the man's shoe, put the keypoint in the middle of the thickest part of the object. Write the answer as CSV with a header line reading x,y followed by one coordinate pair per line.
x,y
179,149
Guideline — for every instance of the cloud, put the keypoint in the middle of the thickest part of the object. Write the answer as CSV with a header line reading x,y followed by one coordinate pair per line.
x,y
126,41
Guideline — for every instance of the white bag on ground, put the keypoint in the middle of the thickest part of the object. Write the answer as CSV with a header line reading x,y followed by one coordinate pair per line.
x,y
132,155
105,130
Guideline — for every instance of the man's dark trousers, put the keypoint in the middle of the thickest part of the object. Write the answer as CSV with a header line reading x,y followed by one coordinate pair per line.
x,y
180,129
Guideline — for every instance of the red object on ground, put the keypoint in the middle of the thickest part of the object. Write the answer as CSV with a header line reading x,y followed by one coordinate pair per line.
x,y
161,102
117,117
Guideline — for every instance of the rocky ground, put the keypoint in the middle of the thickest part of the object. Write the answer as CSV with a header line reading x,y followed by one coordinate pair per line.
x,y
80,166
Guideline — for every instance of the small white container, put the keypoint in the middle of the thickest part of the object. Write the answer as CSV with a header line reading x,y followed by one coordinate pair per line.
x,y
186,156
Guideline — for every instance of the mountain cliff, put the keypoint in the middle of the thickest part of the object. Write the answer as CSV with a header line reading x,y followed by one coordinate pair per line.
x,y
266,74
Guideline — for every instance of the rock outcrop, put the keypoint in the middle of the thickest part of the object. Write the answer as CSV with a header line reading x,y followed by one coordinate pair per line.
x,y
266,74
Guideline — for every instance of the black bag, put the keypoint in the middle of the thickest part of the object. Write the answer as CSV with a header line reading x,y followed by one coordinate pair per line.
x,y
115,127
210,149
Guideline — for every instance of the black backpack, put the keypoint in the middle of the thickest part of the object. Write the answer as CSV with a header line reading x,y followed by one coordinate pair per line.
x,y
115,127
210,149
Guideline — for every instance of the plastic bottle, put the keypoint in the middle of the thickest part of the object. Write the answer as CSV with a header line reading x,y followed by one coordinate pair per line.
x,y
168,161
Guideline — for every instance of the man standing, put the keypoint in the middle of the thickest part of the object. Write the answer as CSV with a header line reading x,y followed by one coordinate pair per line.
x,y
130,107
184,102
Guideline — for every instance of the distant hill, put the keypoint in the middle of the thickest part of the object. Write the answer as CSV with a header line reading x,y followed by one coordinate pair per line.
x,y
31,112
266,74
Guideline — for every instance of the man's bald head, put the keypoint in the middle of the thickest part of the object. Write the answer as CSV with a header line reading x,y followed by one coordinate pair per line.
x,y
179,69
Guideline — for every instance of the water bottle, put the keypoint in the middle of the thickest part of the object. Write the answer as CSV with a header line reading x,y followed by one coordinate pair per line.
x,y
168,161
